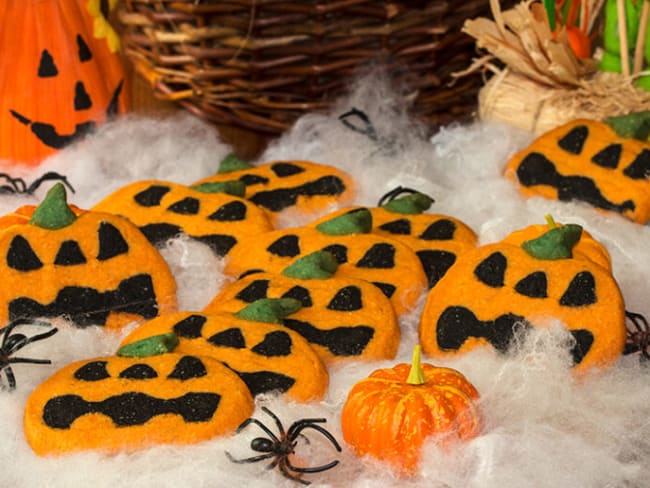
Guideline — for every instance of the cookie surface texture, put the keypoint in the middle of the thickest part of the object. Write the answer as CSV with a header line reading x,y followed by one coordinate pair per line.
x,y
114,404
385,262
267,357
93,268
281,185
342,318
498,291
587,161
163,210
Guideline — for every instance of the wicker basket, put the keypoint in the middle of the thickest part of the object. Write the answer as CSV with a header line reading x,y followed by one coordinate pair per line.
x,y
260,64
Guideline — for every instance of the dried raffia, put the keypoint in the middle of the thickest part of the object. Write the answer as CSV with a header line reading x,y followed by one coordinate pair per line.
x,y
543,83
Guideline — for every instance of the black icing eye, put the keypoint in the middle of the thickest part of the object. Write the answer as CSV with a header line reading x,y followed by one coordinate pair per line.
x,y
139,372
69,254
379,256
187,368
282,170
232,337
254,291
274,344
581,291
285,246
21,256
574,140
491,271
46,66
111,242
186,206
301,294
152,196
346,299
190,327
94,371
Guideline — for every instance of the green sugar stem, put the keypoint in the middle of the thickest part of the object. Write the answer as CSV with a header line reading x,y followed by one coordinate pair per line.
x,y
236,188
269,310
53,212
412,204
318,265
358,221
556,243
150,346
232,163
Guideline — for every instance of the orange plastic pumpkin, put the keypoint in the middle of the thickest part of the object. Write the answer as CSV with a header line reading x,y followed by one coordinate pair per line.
x,y
391,413
61,75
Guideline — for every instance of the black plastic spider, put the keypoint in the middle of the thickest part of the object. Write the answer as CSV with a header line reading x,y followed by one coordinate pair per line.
x,y
18,185
639,338
282,446
397,192
12,342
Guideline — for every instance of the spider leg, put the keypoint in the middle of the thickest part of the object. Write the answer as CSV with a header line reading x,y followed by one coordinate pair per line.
x,y
11,379
285,467
30,360
50,175
23,321
302,425
315,469
253,420
13,186
276,419
253,459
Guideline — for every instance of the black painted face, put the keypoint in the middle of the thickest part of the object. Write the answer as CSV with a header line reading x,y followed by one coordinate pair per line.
x,y
268,358
342,319
504,293
80,102
585,161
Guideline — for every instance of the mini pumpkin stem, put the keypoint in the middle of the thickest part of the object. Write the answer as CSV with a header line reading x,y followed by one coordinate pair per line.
x,y
151,346
236,188
557,243
412,204
232,163
550,221
357,221
269,310
318,265
53,212
416,375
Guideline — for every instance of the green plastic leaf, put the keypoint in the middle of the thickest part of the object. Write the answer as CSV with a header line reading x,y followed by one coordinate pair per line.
x,y
53,212
358,221
318,265
557,243
412,204
236,188
151,346
232,163
549,6
635,125
269,310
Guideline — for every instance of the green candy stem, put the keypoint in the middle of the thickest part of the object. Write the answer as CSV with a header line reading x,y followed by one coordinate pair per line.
x,y
269,310
53,212
635,125
236,188
318,265
232,163
412,204
557,243
358,221
416,375
151,346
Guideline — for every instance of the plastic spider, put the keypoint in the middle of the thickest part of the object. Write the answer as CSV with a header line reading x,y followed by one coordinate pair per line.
x,y
638,339
18,185
282,446
12,342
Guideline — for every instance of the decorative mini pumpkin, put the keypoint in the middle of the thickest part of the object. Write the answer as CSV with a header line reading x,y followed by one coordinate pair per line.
x,y
341,317
267,357
280,185
211,213
92,268
61,75
585,160
501,289
436,239
385,262
390,414
117,403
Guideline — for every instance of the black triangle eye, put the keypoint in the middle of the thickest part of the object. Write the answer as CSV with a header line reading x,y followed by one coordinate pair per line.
x,y
83,50
46,67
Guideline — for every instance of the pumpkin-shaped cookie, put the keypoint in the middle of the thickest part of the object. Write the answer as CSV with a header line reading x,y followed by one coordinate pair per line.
x,y
212,214
585,160
116,403
280,185
436,239
268,357
93,268
341,317
496,290
385,262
